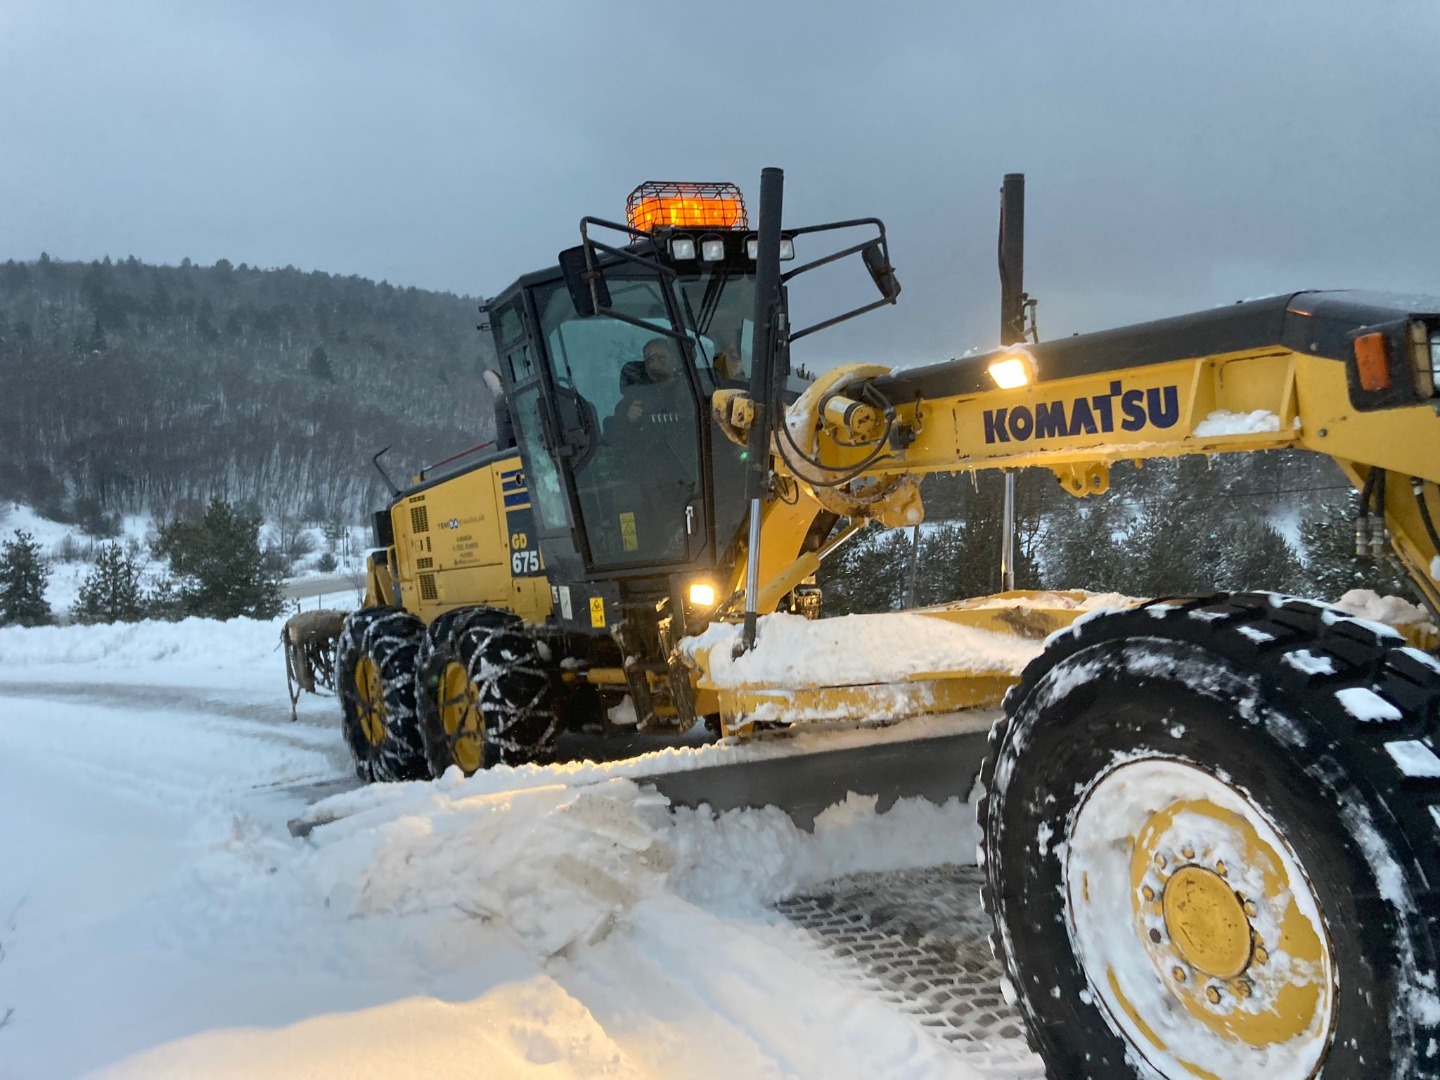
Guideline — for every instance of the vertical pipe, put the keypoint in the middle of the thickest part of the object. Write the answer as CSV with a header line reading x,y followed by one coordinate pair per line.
x,y
1007,535
763,372
1012,332
914,566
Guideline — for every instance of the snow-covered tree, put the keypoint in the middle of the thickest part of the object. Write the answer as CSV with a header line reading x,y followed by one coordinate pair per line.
x,y
111,592
23,575
220,568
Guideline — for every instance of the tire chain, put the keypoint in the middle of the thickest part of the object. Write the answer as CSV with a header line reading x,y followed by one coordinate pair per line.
x,y
387,635
516,683
1257,632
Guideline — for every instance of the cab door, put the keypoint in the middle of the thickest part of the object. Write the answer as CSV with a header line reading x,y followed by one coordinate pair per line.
x,y
628,443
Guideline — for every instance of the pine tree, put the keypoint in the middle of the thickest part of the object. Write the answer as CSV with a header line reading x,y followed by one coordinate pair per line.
x,y
1260,558
868,575
220,566
1331,566
23,575
1081,551
111,591
320,366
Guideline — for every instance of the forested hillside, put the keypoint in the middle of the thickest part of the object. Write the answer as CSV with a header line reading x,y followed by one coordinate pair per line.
x,y
129,387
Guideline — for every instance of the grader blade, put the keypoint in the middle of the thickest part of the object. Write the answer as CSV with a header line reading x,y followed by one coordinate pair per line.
x,y
929,661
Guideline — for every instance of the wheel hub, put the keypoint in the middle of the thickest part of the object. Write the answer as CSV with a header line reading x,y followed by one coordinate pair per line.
x,y
372,701
461,717
1196,925
1207,923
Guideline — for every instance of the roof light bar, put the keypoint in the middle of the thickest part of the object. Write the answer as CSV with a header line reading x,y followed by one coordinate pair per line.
x,y
658,204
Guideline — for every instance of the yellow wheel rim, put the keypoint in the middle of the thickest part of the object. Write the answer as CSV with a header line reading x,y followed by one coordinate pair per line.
x,y
372,701
461,718
1197,926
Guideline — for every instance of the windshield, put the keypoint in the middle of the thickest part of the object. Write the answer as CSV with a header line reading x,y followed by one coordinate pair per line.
x,y
719,306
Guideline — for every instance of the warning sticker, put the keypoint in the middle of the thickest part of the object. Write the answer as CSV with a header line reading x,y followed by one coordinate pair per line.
x,y
628,539
597,611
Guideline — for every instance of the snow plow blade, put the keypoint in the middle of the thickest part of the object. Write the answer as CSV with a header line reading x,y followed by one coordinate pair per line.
x,y
938,768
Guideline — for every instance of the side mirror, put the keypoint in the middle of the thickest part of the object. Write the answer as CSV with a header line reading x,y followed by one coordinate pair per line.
x,y
881,272
588,291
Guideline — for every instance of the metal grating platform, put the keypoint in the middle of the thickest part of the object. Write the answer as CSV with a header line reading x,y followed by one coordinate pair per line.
x,y
918,939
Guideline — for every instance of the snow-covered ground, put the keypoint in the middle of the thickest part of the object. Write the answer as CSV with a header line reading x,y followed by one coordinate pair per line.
x,y
157,919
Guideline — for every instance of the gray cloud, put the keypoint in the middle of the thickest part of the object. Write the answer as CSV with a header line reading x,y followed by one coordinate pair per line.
x,y
1177,155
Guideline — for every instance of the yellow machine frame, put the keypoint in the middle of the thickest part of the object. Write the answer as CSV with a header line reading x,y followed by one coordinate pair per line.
x,y
1306,395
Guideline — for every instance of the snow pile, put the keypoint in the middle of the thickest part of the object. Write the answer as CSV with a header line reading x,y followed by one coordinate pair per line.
x,y
853,650
557,921
1386,610
1222,422
556,865
202,651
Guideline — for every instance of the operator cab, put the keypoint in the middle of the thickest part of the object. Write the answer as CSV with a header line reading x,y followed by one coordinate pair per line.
x,y
610,360
628,476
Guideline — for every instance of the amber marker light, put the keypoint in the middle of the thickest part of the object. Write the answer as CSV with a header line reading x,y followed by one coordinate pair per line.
x,y
1013,370
1371,363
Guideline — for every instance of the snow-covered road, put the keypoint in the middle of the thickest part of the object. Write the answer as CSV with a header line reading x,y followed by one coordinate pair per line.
x,y
157,919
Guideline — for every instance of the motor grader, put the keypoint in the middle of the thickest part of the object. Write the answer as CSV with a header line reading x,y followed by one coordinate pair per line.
x,y
1210,823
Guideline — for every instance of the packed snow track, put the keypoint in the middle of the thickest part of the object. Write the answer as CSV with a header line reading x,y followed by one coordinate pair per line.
x,y
920,938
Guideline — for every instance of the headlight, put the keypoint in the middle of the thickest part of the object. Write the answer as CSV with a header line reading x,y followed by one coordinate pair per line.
x,y
1016,368
702,594
787,248
682,248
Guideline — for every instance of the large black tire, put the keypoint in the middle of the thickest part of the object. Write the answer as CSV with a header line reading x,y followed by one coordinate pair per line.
x,y
487,692
375,678
1320,723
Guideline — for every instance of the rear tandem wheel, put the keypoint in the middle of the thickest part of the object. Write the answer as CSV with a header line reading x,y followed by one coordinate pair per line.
x,y
375,680
486,690
1210,845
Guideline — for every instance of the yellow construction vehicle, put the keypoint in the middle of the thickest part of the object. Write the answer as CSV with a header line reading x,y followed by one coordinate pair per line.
x,y
1210,824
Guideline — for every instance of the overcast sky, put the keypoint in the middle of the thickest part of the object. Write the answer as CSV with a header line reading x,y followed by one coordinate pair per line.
x,y
1178,154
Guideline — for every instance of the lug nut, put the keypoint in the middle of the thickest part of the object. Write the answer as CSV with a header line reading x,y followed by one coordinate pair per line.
x,y
1188,851
1212,995
1242,988
1260,954
1148,893
1155,935
1160,860
1250,909
1179,974
1220,868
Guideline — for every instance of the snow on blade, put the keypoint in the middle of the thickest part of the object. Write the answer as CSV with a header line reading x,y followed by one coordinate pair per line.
x,y
853,650
1222,422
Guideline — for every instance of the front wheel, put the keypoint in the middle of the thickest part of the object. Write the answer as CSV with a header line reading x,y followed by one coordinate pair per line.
x,y
1210,842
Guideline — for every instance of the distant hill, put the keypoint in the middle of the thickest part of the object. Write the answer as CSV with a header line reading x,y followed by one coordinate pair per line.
x,y
128,388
